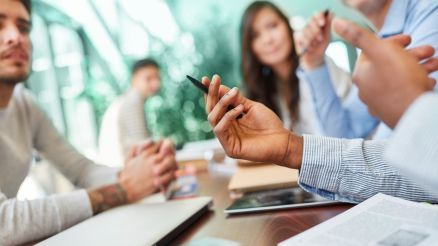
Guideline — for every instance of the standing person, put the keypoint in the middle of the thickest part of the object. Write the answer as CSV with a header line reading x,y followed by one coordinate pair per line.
x,y
349,118
124,122
24,128
269,64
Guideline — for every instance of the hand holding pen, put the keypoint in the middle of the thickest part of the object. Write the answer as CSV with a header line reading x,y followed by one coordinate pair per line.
x,y
312,42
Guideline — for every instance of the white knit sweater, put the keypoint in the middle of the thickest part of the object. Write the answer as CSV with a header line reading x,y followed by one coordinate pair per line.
x,y
24,128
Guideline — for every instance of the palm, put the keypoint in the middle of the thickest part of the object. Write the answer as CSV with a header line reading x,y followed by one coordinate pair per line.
x,y
256,135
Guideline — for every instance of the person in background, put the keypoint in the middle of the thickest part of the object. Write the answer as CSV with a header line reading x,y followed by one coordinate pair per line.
x,y
404,100
339,169
269,62
24,128
349,118
124,122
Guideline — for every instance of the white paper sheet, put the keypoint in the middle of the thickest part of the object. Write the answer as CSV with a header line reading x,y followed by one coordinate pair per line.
x,y
380,220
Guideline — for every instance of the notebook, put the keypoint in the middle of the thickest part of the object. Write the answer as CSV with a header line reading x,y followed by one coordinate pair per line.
x,y
147,223
256,177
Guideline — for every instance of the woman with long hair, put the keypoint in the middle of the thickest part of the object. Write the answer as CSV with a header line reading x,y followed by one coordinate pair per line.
x,y
270,64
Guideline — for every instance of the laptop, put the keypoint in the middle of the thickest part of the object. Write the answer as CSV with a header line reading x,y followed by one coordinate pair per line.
x,y
146,223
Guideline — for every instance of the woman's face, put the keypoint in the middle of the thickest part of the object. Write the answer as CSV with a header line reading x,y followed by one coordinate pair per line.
x,y
271,42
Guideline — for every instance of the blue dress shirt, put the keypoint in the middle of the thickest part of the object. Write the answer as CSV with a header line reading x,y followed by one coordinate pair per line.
x,y
350,118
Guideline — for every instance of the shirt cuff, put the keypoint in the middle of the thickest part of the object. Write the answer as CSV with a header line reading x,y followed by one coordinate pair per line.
x,y
317,78
322,163
73,208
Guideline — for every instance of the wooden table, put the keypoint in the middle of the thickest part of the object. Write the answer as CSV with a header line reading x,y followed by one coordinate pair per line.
x,y
266,228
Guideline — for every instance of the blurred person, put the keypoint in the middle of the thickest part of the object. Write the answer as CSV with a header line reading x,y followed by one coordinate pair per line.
x,y
349,118
413,149
339,169
124,122
269,64
24,128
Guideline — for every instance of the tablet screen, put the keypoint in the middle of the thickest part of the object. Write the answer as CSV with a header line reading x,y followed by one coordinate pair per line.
x,y
275,199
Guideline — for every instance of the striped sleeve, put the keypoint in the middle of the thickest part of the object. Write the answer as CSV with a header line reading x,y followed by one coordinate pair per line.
x,y
132,120
353,171
414,148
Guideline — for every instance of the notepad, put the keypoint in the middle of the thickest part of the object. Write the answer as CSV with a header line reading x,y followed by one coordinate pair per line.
x,y
149,223
262,177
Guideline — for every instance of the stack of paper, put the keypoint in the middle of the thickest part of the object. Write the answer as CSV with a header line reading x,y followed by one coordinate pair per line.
x,y
380,220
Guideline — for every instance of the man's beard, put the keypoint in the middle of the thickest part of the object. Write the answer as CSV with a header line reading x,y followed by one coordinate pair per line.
x,y
13,79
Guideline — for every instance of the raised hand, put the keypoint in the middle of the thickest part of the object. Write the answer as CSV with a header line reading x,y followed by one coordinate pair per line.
x,y
311,42
258,136
389,78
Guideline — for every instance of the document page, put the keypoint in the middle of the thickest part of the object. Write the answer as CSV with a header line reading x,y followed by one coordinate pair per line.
x,y
380,220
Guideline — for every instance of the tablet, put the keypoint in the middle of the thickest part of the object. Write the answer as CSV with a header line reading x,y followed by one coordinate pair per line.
x,y
275,200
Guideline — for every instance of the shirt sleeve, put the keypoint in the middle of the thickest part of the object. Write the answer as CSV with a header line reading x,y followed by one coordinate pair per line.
x,y
78,169
353,170
338,118
422,26
413,149
132,121
30,220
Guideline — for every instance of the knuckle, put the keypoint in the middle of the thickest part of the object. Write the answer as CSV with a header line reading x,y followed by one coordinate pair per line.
x,y
210,118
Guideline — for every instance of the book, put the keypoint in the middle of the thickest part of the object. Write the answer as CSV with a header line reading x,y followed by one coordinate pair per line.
x,y
259,177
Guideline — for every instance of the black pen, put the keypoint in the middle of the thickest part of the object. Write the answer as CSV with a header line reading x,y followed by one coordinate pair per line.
x,y
204,89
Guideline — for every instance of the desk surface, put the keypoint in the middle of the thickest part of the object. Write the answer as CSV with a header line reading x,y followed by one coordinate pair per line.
x,y
266,228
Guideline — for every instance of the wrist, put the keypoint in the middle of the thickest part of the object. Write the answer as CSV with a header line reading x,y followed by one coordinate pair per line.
x,y
107,197
294,152
124,182
311,65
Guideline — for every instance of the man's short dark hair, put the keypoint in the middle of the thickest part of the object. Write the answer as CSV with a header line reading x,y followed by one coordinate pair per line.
x,y
143,63
27,5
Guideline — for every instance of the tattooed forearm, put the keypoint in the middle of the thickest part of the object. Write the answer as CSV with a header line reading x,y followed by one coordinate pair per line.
x,y
107,197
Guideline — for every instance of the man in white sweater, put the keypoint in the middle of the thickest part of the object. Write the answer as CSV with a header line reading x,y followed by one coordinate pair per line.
x,y
24,128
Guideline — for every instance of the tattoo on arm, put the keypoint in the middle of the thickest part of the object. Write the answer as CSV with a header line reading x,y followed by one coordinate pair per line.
x,y
107,197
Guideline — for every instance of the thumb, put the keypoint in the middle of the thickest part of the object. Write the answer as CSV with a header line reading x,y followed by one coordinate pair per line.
x,y
357,36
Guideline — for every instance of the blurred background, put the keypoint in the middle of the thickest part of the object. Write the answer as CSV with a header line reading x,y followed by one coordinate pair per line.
x,y
83,51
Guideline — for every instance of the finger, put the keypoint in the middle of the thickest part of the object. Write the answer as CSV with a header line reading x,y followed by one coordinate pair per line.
x,y
327,27
167,165
206,81
164,180
431,65
359,37
320,19
154,159
213,91
307,37
315,31
222,106
144,145
151,150
167,147
226,121
422,52
403,40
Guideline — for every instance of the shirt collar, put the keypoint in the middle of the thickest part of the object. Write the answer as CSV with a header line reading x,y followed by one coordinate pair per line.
x,y
395,19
